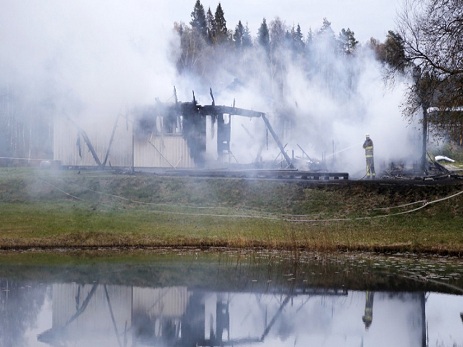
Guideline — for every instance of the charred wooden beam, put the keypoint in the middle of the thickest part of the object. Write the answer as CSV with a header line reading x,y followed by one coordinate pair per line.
x,y
194,125
87,141
277,140
236,111
90,146
110,142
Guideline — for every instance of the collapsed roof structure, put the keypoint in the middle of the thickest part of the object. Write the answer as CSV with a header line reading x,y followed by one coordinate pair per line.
x,y
171,135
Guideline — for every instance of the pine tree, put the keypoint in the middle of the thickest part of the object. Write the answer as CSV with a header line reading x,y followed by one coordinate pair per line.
x,y
347,41
220,26
238,35
394,49
309,39
326,39
297,39
326,30
263,36
247,39
391,52
210,23
198,20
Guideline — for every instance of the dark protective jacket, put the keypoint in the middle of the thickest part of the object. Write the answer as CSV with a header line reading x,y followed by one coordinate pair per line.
x,y
368,146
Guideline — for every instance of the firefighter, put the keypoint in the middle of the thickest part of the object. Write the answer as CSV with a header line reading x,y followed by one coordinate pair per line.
x,y
368,147
368,316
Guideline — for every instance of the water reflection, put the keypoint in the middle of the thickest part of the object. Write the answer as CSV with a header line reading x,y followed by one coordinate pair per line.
x,y
20,304
283,310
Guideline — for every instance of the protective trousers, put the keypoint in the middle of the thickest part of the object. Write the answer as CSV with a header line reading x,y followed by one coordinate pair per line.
x,y
370,167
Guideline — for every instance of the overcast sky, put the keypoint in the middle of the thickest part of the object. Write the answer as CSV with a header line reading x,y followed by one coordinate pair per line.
x,y
367,18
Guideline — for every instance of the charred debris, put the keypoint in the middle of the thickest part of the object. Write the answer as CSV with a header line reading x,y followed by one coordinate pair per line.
x,y
434,171
176,132
189,120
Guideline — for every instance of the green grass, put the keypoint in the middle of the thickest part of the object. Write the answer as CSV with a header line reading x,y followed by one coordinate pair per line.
x,y
47,208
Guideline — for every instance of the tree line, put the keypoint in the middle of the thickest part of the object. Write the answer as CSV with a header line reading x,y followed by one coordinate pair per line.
x,y
427,47
207,36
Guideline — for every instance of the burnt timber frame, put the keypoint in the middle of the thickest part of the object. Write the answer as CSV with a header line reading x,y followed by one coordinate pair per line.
x,y
194,127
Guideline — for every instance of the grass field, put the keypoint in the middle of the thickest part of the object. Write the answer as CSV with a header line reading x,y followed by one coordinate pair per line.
x,y
43,208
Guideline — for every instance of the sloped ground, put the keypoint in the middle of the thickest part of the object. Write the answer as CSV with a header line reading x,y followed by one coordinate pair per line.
x,y
67,208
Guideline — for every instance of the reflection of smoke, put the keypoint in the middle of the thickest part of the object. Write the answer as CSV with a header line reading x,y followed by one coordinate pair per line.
x,y
19,310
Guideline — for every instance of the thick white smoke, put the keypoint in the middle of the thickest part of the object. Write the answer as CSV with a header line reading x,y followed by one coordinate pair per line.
x,y
93,60
325,109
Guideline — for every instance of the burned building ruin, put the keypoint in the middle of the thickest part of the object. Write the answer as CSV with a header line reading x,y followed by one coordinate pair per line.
x,y
169,135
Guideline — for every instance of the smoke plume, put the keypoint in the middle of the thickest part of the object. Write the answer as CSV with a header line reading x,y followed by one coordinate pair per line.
x,y
93,60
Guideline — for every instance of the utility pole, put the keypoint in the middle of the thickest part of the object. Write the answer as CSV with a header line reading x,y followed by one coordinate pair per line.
x,y
418,78
425,137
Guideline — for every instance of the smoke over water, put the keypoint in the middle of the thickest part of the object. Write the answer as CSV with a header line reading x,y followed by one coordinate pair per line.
x,y
93,60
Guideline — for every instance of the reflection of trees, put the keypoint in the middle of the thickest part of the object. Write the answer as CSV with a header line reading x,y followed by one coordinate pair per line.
x,y
20,303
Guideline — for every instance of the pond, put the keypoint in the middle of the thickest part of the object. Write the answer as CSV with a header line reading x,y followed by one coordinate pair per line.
x,y
229,298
